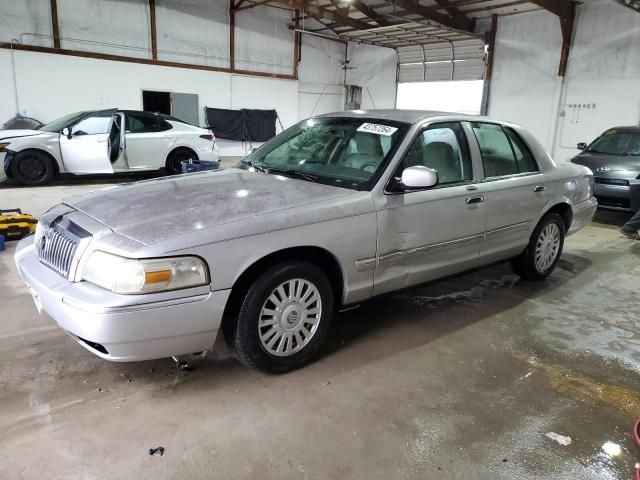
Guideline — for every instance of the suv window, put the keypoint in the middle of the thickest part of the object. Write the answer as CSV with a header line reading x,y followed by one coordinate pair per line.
x,y
140,122
442,147
503,151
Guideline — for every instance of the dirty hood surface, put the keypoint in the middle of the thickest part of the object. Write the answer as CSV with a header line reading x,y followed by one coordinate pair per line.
x,y
155,210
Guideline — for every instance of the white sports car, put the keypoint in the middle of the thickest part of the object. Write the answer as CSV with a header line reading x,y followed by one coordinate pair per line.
x,y
95,142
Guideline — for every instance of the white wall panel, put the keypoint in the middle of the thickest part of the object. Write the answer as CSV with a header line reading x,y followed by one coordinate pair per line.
x,y
26,16
266,93
120,27
263,40
374,69
524,87
193,31
321,75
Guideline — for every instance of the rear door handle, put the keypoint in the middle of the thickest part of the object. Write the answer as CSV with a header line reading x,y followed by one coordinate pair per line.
x,y
472,200
538,188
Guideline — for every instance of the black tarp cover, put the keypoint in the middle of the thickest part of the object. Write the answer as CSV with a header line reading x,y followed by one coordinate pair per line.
x,y
242,125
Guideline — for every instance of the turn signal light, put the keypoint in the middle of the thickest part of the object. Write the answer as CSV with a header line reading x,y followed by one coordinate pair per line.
x,y
209,137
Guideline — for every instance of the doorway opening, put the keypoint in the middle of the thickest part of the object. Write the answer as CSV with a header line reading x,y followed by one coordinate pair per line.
x,y
156,102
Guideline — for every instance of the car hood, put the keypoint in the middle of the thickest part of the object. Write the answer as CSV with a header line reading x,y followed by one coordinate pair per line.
x,y
613,163
8,134
156,210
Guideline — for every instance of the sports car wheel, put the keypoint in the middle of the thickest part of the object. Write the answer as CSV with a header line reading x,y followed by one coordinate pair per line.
x,y
32,167
179,155
543,252
283,318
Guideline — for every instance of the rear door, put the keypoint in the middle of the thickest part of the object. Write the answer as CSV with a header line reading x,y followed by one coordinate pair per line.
x,y
148,138
93,144
516,193
428,233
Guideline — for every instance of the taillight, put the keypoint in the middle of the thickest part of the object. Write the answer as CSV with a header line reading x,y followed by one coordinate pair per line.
x,y
208,136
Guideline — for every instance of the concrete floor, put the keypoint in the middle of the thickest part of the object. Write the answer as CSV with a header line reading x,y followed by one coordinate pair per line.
x,y
460,379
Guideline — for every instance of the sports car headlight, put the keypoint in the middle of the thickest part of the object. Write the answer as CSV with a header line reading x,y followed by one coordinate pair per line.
x,y
129,276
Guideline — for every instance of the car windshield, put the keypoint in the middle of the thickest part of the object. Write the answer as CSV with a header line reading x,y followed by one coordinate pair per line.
x,y
614,142
57,125
346,152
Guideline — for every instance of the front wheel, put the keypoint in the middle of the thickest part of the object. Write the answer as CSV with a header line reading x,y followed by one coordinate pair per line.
x,y
284,317
543,252
32,168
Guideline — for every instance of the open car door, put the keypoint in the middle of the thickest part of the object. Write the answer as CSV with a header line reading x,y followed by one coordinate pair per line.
x,y
94,143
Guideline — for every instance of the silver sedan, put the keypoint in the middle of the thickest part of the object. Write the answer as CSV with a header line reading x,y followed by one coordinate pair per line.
x,y
335,210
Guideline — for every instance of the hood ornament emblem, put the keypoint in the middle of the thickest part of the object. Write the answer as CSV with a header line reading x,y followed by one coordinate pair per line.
x,y
602,169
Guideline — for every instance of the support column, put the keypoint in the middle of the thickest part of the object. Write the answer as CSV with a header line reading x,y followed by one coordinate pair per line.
x,y
55,28
154,37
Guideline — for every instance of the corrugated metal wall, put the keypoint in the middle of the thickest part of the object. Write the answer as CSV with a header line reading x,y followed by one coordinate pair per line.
x,y
437,62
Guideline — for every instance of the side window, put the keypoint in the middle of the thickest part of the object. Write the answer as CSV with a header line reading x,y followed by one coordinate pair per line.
x,y
138,122
93,125
524,158
497,155
442,147
163,125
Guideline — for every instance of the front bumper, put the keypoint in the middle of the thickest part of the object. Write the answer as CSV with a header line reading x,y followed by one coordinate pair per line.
x,y
624,198
124,327
583,213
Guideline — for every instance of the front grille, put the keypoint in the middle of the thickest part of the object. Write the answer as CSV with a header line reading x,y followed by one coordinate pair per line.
x,y
56,248
611,181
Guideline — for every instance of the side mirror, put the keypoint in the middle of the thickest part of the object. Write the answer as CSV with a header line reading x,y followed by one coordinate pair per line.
x,y
419,177
66,131
582,146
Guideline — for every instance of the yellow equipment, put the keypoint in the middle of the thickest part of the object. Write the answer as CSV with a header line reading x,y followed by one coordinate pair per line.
x,y
15,225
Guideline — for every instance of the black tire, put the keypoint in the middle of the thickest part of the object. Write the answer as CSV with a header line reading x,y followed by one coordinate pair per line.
x,y
529,264
32,167
175,159
243,336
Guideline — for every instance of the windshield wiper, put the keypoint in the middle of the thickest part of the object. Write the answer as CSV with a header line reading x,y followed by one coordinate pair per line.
x,y
291,171
254,166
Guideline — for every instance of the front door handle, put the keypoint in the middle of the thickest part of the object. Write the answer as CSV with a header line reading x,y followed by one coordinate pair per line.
x,y
472,200
538,188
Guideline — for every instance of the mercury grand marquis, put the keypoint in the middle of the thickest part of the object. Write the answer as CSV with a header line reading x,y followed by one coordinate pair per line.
x,y
333,211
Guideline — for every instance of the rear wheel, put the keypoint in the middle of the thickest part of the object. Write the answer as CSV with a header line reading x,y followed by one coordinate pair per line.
x,y
32,167
175,159
543,252
284,318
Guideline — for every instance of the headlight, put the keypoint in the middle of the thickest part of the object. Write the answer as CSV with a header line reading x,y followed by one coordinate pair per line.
x,y
129,276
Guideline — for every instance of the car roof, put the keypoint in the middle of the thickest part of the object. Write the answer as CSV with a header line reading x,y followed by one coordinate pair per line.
x,y
628,128
398,115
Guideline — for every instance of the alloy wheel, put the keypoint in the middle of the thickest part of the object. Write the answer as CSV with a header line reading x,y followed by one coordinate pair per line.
x,y
547,247
289,318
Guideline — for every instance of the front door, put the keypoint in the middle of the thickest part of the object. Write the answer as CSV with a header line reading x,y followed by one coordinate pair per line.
x,y
93,144
516,192
430,233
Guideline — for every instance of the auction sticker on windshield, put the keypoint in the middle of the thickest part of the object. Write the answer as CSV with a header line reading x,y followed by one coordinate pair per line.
x,y
378,129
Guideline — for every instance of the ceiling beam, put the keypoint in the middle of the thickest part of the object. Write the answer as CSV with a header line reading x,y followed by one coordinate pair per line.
x,y
561,8
431,13
322,13
370,12
454,12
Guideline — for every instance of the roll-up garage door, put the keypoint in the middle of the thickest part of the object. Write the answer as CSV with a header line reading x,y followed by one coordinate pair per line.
x,y
438,62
